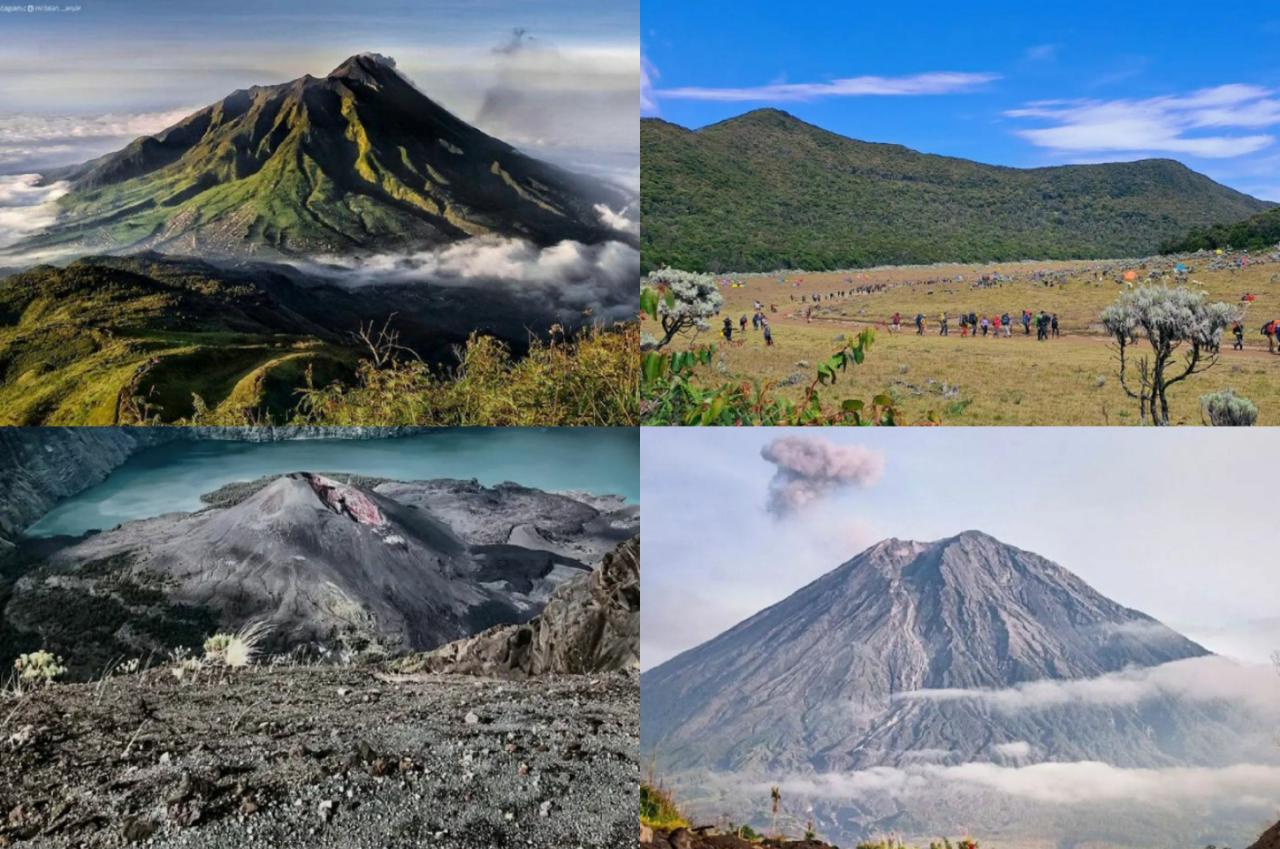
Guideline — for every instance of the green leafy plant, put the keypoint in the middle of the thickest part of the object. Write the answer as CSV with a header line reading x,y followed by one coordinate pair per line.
x,y
672,391
39,667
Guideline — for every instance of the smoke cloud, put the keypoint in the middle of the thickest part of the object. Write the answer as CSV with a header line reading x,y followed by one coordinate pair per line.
x,y
1204,679
810,469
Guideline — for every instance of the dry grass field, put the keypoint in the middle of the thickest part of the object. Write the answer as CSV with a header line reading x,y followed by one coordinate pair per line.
x,y
1069,380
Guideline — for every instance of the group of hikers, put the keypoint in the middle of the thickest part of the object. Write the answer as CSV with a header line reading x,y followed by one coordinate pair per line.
x,y
758,322
998,325
1271,330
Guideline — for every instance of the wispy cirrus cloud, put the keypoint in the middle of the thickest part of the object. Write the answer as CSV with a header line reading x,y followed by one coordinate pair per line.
x,y
933,83
648,73
1214,123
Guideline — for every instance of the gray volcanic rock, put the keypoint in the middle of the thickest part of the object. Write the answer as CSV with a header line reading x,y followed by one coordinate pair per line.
x,y
814,682
591,624
325,563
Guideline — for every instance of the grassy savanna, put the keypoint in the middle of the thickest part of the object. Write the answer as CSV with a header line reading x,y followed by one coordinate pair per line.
x,y
1070,380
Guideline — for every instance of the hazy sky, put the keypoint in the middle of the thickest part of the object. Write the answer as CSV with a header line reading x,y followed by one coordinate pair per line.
x,y
83,82
1177,523
993,80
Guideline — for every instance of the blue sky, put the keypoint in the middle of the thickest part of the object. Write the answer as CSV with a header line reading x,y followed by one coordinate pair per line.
x,y
83,82
1008,83
1176,523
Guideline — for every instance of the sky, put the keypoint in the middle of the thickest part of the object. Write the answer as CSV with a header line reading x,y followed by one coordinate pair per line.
x,y
1002,82
83,79
1176,523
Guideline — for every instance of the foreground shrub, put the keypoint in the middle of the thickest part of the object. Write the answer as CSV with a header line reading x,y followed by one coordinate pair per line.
x,y
590,379
1227,409
39,667
658,809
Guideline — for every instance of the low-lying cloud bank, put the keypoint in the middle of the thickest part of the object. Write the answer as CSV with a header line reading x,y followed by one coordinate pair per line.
x,y
32,141
1205,679
1078,782
26,207
568,277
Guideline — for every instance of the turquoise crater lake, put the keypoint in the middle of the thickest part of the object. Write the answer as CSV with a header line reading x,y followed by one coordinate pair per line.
x,y
172,477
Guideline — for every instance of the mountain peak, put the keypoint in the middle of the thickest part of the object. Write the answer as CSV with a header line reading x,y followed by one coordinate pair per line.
x,y
364,64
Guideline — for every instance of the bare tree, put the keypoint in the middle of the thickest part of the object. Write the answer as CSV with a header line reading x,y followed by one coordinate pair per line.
x,y
383,344
1172,319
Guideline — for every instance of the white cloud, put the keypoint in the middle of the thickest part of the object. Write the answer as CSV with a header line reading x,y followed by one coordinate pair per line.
x,y
26,207
1041,53
1169,124
648,73
568,276
625,220
1077,782
1017,750
939,82
40,141
1197,679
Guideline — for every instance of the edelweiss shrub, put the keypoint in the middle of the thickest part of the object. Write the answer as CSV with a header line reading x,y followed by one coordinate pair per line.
x,y
39,667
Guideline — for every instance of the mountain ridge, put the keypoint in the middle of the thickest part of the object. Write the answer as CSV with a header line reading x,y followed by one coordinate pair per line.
x,y
813,680
765,190
359,159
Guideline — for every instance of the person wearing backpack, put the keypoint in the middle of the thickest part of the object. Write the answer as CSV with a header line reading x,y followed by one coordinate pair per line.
x,y
1269,331
1237,330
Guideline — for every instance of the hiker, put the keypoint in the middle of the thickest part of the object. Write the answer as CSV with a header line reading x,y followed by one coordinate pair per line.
x,y
1054,324
1026,322
895,322
755,321
1042,327
919,324
985,325
1269,331
742,323
728,329
1004,320
1237,330
768,334
995,327
942,325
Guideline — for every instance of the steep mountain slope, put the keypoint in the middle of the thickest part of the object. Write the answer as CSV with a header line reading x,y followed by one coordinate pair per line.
x,y
357,160
765,191
324,562
817,680
590,624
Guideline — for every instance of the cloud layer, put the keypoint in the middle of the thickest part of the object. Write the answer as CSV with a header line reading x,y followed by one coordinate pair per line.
x,y
938,82
26,207
569,277
1197,679
809,469
1078,782
1196,124
31,142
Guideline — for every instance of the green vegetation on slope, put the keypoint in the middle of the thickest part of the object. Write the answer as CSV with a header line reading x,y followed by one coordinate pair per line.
x,y
155,340
1259,233
112,341
766,191
356,160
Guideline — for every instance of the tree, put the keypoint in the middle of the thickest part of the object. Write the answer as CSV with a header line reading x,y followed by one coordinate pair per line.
x,y
683,300
1172,319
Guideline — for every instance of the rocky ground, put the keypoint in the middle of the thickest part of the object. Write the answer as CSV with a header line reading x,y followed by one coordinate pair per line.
x,y
709,838
322,757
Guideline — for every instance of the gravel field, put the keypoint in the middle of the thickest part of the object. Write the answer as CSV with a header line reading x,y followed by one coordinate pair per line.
x,y
346,758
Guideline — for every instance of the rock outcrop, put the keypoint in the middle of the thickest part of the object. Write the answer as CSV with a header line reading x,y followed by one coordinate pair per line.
x,y
591,624
326,564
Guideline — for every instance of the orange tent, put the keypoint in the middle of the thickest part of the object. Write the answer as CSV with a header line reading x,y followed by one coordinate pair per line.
x,y
1131,275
